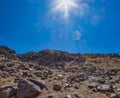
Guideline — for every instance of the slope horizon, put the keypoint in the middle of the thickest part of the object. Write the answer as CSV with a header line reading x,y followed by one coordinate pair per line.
x,y
59,51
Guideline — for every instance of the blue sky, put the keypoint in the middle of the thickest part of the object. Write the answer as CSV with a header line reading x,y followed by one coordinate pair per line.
x,y
29,25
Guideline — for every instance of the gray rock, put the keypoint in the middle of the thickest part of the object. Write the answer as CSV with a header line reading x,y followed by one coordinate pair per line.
x,y
3,65
39,82
68,96
27,89
96,79
92,85
8,91
50,97
12,70
78,96
105,88
114,95
57,87
38,68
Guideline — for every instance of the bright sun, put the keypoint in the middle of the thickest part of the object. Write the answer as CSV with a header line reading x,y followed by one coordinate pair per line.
x,y
64,6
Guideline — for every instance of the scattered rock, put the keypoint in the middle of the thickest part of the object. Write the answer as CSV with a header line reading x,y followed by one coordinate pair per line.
x,y
114,95
78,96
68,96
92,85
56,87
50,97
105,88
76,87
69,72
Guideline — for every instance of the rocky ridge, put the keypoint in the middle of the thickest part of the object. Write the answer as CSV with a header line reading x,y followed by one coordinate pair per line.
x,y
57,74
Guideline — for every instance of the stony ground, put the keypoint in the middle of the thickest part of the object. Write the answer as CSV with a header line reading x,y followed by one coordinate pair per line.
x,y
56,74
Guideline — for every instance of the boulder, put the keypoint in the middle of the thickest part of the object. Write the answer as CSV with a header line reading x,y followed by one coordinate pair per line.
x,y
8,91
39,82
27,89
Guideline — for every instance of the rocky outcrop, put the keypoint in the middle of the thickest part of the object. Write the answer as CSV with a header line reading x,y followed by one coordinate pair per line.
x,y
6,51
7,54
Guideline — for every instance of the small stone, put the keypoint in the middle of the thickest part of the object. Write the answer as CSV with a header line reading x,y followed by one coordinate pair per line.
x,y
76,87
92,85
78,96
113,95
57,87
50,96
68,96
105,88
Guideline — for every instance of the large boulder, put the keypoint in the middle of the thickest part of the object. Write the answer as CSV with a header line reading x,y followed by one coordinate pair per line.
x,y
8,91
27,89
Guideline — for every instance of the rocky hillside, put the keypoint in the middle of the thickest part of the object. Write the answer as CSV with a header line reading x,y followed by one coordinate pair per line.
x,y
57,74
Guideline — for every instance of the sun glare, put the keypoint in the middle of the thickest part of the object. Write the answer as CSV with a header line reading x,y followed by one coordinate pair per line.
x,y
64,7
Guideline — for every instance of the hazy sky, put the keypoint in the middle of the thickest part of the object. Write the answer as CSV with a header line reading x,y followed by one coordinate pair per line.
x,y
89,26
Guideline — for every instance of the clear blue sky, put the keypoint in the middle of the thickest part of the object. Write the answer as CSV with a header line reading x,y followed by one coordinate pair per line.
x,y
28,25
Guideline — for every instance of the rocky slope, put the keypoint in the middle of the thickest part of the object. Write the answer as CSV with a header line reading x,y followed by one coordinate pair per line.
x,y
57,74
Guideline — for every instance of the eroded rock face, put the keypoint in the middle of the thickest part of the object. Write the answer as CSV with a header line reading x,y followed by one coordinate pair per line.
x,y
27,89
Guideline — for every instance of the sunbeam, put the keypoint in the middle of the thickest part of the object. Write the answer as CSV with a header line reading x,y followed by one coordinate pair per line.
x,y
64,7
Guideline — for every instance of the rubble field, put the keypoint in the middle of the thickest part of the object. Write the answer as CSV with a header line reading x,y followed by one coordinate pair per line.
x,y
57,74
